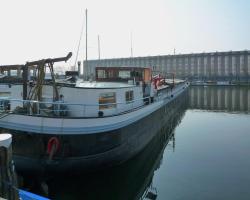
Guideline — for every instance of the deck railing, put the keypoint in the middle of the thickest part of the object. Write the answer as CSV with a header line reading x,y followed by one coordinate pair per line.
x,y
61,109
68,110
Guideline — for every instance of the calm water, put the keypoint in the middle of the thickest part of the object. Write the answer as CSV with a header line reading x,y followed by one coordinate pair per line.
x,y
203,153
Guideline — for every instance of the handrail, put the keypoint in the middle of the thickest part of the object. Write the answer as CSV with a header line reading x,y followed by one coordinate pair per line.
x,y
72,104
75,110
59,109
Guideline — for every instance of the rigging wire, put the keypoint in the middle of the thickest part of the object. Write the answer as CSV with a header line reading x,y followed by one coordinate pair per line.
x,y
78,47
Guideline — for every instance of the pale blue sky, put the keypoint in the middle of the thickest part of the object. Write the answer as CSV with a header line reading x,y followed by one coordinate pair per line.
x,y
32,30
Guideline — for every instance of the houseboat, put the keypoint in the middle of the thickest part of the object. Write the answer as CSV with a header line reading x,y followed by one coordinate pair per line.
x,y
87,126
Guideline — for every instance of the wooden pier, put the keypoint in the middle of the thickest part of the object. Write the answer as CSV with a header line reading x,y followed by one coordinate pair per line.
x,y
8,178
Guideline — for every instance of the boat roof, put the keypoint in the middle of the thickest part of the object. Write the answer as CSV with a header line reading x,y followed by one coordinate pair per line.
x,y
103,85
175,80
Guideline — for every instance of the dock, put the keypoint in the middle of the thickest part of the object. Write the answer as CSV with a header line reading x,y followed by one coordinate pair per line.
x,y
8,178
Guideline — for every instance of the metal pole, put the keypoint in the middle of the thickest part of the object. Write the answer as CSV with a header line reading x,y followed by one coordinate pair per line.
x,y
25,79
99,51
131,44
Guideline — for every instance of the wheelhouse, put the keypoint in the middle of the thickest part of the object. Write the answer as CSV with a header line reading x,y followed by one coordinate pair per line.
x,y
123,74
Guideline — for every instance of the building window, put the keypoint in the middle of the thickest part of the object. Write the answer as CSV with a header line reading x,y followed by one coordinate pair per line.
x,y
101,73
205,66
233,65
192,66
212,70
199,66
107,100
248,61
219,65
226,65
129,95
242,65
124,74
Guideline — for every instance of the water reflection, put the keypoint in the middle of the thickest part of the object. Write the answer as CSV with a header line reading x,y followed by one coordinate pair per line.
x,y
131,180
223,98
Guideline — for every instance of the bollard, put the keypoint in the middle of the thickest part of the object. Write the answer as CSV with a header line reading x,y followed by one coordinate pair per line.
x,y
8,178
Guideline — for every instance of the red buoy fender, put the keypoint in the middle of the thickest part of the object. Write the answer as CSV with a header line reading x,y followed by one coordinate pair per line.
x,y
53,141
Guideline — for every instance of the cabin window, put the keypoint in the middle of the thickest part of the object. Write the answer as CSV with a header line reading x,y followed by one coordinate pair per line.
x,y
101,73
108,99
124,74
129,95
5,94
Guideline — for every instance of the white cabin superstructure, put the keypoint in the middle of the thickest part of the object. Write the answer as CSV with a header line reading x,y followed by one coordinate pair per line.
x,y
87,100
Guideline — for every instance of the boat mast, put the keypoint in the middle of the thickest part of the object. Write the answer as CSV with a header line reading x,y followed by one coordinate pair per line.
x,y
86,59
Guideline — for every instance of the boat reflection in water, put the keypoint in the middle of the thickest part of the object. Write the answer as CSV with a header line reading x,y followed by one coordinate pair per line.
x,y
131,180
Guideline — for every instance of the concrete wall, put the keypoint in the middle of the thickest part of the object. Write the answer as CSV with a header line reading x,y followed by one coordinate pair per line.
x,y
232,65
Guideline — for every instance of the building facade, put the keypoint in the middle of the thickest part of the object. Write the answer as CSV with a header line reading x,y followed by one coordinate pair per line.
x,y
232,65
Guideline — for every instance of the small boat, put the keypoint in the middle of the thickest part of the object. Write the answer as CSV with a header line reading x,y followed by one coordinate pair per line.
x,y
87,126
25,195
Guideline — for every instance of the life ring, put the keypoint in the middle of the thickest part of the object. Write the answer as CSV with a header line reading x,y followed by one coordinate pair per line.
x,y
53,146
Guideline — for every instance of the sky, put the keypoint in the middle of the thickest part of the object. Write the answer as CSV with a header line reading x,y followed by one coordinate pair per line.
x,y
36,29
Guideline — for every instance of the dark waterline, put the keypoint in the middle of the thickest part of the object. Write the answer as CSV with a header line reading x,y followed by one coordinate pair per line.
x,y
202,153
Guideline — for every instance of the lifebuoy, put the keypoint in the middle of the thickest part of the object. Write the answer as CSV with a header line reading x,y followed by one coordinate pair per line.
x,y
53,146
